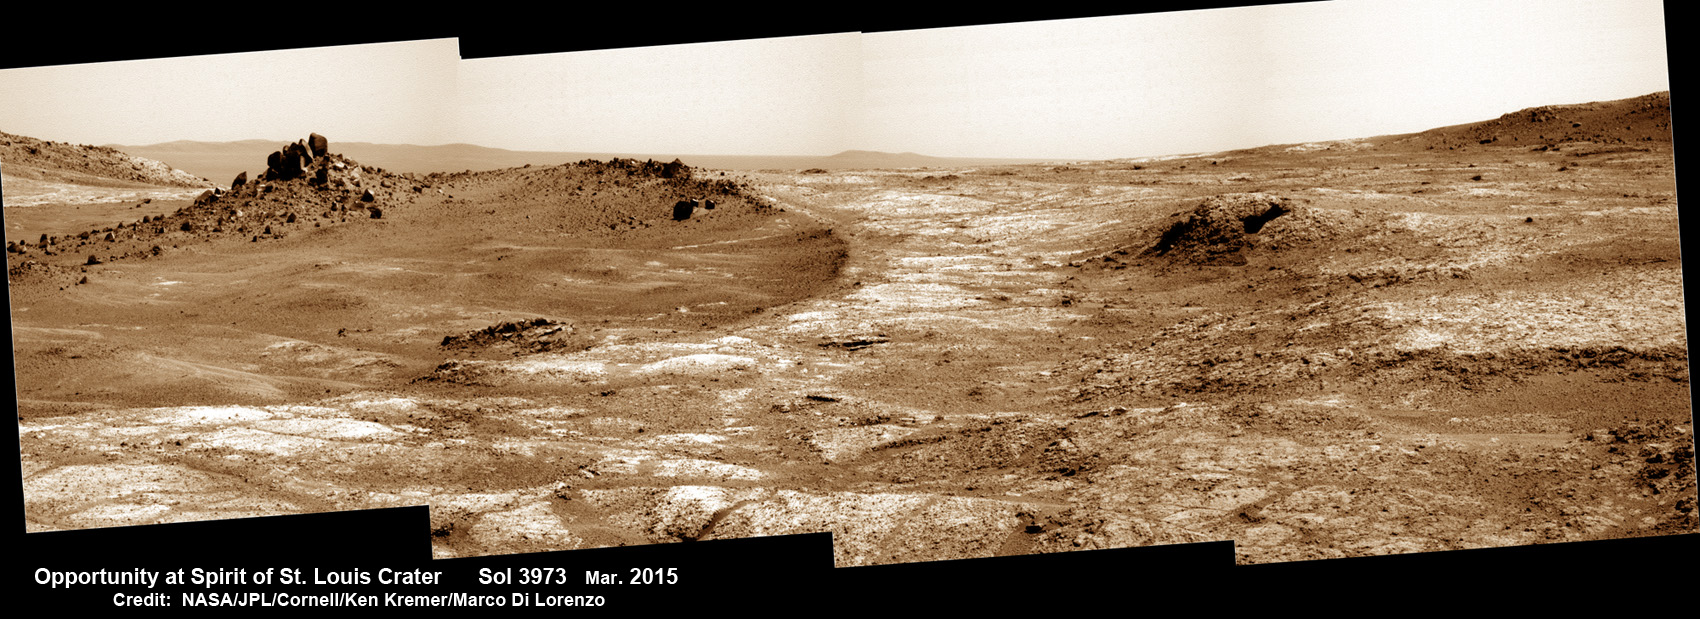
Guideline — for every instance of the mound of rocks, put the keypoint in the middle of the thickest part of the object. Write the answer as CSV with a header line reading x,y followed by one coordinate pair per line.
x,y
1220,228
301,178
619,195
1223,230
518,337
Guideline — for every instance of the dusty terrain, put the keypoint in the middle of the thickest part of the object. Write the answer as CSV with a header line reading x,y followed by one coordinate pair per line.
x,y
1469,337
88,186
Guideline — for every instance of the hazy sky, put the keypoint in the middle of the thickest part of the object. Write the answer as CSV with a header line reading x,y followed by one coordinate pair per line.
x,y
1230,78
1108,87
794,95
390,92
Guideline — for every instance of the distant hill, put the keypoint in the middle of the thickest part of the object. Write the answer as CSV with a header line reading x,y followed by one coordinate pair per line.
x,y
222,161
1637,119
60,162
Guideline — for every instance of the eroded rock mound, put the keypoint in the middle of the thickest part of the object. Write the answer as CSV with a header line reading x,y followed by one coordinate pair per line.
x,y
601,197
1220,228
517,337
295,182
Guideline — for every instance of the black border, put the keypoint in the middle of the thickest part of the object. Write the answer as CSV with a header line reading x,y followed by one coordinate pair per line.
x,y
56,35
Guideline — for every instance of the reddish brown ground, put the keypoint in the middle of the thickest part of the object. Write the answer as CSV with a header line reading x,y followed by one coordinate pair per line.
x,y
1436,344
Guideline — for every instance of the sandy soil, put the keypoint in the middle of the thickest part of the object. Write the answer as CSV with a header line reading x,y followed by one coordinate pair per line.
x,y
1417,349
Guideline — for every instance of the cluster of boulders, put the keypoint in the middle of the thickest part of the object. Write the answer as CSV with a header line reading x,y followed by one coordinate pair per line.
x,y
295,160
311,159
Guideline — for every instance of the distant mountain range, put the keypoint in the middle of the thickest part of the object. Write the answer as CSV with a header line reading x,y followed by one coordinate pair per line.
x,y
222,161
1638,119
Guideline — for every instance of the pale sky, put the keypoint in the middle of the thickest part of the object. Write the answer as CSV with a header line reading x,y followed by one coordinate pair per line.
x,y
781,96
1232,78
1098,88
399,93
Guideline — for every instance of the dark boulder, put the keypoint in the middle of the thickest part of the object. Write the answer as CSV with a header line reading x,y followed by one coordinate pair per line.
x,y
318,144
241,179
683,209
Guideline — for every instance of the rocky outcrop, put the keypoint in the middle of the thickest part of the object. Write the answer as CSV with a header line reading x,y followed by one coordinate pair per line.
x,y
676,169
295,182
1219,228
27,157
